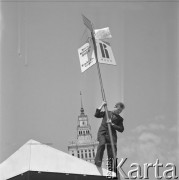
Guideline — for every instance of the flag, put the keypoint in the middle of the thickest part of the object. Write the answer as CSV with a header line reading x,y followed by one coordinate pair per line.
x,y
102,33
87,23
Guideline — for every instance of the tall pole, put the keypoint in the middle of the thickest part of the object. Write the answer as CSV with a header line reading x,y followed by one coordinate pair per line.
x,y
89,25
104,99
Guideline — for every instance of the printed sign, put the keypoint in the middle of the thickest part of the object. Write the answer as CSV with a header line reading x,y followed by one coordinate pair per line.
x,y
105,54
86,56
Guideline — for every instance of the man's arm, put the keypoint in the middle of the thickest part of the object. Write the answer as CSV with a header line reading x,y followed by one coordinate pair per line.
x,y
119,128
99,113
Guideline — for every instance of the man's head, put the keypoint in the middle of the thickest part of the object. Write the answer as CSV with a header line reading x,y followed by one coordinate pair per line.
x,y
119,107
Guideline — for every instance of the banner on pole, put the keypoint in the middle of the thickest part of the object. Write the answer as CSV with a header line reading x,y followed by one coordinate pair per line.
x,y
86,56
105,54
102,33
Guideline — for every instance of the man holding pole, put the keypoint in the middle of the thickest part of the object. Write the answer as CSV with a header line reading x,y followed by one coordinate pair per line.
x,y
116,123
112,121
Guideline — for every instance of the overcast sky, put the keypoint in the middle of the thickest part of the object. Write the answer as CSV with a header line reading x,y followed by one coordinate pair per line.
x,y
41,78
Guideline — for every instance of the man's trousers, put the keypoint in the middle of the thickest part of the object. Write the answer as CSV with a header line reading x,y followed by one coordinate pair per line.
x,y
104,140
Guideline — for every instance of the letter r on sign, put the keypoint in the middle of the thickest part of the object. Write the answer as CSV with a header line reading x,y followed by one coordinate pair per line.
x,y
104,50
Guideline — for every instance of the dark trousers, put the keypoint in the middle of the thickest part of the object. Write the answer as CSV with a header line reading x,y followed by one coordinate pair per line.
x,y
104,140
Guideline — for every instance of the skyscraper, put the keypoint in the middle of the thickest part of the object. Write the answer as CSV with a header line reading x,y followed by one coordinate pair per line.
x,y
84,147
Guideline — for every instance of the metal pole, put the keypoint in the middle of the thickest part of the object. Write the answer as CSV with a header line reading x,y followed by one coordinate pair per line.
x,y
104,99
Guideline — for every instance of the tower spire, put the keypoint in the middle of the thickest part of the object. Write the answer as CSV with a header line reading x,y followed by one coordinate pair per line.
x,y
82,109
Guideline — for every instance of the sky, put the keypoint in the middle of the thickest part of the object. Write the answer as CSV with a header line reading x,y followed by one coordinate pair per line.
x,y
41,80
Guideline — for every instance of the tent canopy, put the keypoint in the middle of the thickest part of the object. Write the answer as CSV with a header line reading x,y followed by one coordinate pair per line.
x,y
38,157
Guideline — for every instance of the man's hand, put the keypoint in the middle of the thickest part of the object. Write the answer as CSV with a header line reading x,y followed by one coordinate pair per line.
x,y
109,121
102,105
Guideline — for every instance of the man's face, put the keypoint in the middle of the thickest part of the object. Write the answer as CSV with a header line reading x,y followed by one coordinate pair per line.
x,y
118,110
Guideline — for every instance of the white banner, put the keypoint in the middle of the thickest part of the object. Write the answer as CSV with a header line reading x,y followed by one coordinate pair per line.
x,y
105,54
86,56
102,33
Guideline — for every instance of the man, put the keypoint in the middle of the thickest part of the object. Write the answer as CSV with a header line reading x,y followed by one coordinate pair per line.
x,y
116,122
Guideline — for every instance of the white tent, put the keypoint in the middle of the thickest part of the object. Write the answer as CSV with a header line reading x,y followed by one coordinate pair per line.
x,y
40,159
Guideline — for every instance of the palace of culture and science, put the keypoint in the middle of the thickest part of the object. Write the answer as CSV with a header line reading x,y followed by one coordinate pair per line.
x,y
84,147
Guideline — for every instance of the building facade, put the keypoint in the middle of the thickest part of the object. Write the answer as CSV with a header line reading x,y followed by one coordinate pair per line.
x,y
84,146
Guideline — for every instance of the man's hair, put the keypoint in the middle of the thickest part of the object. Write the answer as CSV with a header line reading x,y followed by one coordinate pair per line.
x,y
120,104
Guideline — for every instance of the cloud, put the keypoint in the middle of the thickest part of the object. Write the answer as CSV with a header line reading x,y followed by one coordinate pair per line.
x,y
149,137
149,127
149,147
148,142
159,118
139,129
154,126
173,129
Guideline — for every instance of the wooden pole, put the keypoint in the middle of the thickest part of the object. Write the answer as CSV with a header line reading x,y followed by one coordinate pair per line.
x,y
104,99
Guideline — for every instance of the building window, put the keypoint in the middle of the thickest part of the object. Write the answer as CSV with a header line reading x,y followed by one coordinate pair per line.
x,y
82,154
89,153
78,154
93,153
86,154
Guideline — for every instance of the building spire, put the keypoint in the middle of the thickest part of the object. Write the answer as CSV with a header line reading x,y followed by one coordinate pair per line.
x,y
82,109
